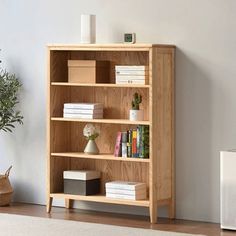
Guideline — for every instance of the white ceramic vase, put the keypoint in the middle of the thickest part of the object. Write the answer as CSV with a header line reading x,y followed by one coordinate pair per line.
x,y
136,114
88,29
91,147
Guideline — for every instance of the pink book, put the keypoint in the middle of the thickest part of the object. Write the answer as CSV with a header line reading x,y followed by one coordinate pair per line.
x,y
117,152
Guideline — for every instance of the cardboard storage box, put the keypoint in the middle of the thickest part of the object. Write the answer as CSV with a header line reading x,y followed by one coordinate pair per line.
x,y
81,182
88,71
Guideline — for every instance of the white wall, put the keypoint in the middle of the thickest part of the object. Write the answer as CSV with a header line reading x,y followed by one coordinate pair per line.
x,y
204,32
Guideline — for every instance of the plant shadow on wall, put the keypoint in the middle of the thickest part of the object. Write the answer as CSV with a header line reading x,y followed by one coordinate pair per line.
x,y
194,172
9,117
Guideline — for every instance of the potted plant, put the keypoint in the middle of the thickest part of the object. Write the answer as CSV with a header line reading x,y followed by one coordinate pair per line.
x,y
135,113
91,133
9,116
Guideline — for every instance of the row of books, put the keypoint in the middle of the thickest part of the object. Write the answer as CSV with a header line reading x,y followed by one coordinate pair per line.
x,y
131,74
133,143
126,190
83,110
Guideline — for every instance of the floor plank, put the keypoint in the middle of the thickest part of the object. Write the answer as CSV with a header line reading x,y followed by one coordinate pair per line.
x,y
183,226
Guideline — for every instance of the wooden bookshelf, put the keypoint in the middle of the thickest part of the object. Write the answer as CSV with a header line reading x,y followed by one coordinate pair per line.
x,y
65,139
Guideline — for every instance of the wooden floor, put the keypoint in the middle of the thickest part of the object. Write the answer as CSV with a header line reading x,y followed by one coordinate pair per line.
x,y
183,226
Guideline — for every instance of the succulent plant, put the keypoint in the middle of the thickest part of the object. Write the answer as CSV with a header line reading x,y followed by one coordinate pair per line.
x,y
137,99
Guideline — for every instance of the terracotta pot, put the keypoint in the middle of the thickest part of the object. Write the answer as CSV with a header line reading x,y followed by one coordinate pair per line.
x,y
6,189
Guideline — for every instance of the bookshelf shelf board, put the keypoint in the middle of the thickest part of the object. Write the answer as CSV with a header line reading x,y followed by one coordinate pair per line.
x,y
105,121
101,85
102,156
101,198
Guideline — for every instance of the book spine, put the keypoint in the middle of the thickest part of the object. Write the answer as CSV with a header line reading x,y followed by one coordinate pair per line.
x,y
119,81
129,143
120,68
126,192
82,111
138,140
122,196
83,106
131,72
131,77
145,142
134,143
83,116
124,144
117,152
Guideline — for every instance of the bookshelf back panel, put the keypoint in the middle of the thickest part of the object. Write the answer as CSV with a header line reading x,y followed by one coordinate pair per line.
x,y
116,101
110,170
59,69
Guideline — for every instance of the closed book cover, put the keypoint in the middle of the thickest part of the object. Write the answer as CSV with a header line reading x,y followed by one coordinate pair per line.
x,y
125,185
131,72
131,81
131,77
82,111
128,197
129,143
83,116
135,67
81,174
134,143
138,192
117,152
84,105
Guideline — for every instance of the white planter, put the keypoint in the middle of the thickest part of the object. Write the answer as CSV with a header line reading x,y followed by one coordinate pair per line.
x,y
136,114
91,147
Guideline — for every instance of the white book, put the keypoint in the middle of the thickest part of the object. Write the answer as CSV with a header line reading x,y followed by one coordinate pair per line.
x,y
82,111
83,116
125,185
131,77
128,197
130,81
81,174
127,192
131,72
120,68
84,105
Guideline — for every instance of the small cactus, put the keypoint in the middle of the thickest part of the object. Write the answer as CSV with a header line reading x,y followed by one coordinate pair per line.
x,y
136,101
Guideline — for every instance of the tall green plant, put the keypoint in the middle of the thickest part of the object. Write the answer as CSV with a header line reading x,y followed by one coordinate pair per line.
x,y
9,88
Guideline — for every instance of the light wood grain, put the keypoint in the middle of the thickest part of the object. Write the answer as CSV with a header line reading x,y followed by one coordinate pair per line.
x,y
101,85
105,121
101,198
101,156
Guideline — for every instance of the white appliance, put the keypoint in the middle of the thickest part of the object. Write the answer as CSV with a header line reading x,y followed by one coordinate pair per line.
x,y
228,189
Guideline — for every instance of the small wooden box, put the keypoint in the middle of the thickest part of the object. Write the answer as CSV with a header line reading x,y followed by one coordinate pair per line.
x,y
88,71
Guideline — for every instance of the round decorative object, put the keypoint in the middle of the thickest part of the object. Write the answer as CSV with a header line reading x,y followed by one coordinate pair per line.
x,y
136,115
5,189
91,147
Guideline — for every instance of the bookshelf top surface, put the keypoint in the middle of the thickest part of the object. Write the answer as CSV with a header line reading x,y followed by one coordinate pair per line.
x,y
113,46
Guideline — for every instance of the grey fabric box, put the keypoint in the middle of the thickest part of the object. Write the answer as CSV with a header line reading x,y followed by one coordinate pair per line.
x,y
81,182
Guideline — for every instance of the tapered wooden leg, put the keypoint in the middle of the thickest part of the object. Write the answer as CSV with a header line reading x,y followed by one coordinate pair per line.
x,y
153,214
68,203
49,204
172,209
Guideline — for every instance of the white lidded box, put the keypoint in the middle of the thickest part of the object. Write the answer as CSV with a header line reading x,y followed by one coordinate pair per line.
x,y
81,182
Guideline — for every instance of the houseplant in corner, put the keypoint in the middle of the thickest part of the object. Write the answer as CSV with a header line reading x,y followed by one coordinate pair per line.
x,y
135,113
9,116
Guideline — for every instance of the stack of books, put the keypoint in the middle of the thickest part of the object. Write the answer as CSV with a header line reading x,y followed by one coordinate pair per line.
x,y
131,74
83,110
126,190
133,143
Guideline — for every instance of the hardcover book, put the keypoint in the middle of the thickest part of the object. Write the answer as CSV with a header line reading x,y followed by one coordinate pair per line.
x,y
84,105
126,185
117,152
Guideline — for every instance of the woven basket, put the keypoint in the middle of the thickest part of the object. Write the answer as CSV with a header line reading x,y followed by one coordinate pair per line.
x,y
5,189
